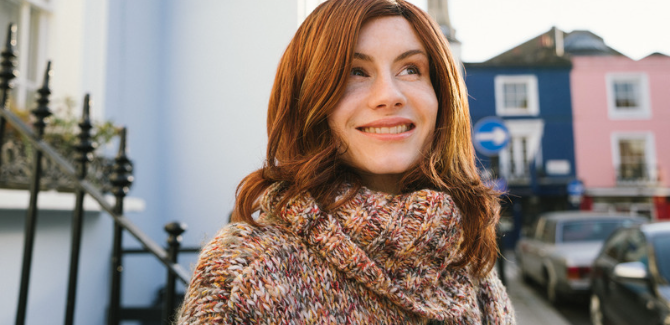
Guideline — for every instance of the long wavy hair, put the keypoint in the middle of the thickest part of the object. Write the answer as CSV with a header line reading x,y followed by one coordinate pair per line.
x,y
302,150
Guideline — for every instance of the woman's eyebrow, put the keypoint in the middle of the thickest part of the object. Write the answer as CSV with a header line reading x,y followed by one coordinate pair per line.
x,y
362,56
408,54
365,57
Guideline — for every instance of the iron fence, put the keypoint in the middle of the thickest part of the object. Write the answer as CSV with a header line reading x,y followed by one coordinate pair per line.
x,y
72,174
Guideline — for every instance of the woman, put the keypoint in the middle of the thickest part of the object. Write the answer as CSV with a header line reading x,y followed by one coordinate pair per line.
x,y
371,208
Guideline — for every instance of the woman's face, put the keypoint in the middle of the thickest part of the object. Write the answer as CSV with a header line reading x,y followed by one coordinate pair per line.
x,y
387,114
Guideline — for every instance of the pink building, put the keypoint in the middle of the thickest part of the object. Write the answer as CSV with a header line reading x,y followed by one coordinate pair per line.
x,y
621,111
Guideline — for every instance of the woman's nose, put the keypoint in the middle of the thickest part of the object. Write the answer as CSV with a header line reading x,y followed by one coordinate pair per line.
x,y
385,93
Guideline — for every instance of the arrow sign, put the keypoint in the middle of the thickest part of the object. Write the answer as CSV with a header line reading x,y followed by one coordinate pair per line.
x,y
498,136
490,135
576,187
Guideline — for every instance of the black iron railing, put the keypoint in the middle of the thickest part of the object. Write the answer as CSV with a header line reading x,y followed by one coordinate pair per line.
x,y
120,179
639,173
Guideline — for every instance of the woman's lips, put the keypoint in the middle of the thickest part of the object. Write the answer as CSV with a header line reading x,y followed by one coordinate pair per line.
x,y
388,128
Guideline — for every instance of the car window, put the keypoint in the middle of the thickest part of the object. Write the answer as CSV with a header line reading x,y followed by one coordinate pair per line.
x,y
635,249
590,230
661,244
615,244
549,232
539,228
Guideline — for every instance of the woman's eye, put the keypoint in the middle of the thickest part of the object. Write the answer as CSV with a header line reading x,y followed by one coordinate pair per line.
x,y
358,72
410,70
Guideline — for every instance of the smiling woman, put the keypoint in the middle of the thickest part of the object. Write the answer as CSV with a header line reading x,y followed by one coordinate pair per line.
x,y
370,207
386,116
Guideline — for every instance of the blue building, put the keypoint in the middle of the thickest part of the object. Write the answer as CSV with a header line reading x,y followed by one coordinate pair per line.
x,y
528,87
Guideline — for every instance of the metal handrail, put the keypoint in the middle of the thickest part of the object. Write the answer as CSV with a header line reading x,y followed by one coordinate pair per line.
x,y
97,195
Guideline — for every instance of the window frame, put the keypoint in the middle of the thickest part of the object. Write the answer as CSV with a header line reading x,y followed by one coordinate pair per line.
x,y
533,131
22,84
642,110
532,94
649,152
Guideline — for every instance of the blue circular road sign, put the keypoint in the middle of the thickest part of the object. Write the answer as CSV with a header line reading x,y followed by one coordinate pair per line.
x,y
490,135
576,187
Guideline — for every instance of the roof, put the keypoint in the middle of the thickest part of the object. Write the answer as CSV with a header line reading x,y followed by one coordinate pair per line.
x,y
550,49
656,54
583,42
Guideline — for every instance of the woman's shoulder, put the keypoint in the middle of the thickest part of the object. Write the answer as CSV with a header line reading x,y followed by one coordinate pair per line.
x,y
238,251
239,244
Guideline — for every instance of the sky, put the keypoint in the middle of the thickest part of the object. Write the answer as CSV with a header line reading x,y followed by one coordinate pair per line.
x,y
487,28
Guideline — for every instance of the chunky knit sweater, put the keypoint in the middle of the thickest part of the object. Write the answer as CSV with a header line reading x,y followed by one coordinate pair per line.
x,y
378,259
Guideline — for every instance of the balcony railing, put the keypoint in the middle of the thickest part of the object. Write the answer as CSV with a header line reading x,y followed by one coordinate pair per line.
x,y
637,174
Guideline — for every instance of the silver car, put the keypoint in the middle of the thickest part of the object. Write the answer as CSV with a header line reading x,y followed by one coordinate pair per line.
x,y
561,247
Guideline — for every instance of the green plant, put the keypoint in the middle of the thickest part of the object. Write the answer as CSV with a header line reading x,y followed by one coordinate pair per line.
x,y
62,127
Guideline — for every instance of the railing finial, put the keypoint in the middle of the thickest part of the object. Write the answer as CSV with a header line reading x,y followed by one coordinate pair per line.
x,y
8,71
84,145
42,110
122,176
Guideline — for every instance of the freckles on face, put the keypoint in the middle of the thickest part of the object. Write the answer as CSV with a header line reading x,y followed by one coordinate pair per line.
x,y
386,116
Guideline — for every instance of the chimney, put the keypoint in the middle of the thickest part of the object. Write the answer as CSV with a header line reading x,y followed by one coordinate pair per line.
x,y
558,37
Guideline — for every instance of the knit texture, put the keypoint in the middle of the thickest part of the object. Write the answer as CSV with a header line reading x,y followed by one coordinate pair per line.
x,y
377,259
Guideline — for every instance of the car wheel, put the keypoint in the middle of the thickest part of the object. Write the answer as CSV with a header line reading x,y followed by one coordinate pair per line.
x,y
596,311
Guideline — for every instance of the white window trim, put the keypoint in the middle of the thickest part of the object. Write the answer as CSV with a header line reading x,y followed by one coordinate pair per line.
x,y
22,84
531,129
649,150
533,95
643,111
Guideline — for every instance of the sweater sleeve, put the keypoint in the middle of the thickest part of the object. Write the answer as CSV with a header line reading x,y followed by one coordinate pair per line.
x,y
207,300
494,301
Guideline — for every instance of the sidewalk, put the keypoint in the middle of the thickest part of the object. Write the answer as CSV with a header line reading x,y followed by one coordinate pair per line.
x,y
530,308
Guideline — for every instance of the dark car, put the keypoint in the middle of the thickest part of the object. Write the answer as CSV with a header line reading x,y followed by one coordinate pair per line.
x,y
562,246
631,277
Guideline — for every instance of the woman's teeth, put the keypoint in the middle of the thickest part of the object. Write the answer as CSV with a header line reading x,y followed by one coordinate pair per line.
x,y
387,130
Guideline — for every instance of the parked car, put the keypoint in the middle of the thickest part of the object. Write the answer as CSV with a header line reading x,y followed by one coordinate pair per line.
x,y
559,251
631,277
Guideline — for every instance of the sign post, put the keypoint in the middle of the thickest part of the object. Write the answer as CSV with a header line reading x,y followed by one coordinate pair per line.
x,y
575,192
489,136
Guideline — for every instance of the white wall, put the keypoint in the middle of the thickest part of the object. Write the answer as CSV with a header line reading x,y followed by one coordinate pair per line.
x,y
50,266
77,41
191,80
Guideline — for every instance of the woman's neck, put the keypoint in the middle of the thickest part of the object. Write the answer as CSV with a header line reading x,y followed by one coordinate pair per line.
x,y
387,183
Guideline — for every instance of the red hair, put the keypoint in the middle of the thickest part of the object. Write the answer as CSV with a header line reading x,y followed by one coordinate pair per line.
x,y
302,150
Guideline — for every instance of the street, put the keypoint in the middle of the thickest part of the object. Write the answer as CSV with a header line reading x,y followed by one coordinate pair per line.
x,y
531,306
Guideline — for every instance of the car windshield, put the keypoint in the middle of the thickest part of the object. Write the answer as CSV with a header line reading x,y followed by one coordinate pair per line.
x,y
662,252
591,230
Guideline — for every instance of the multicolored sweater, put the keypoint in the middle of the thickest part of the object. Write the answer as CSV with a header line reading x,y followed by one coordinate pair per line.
x,y
378,259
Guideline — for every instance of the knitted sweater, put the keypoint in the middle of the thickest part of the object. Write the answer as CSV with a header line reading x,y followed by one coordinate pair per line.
x,y
378,259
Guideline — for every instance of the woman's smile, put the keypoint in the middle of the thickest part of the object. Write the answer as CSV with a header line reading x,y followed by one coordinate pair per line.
x,y
393,128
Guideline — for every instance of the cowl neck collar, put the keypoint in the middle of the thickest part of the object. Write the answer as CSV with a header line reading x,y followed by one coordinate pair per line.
x,y
398,246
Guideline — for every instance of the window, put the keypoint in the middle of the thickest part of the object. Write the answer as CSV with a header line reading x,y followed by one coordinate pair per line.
x,y
628,96
516,95
634,157
30,16
614,246
523,149
636,249
549,232
591,230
